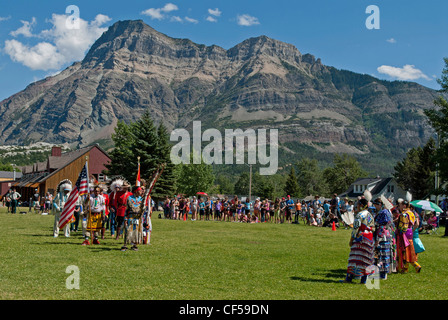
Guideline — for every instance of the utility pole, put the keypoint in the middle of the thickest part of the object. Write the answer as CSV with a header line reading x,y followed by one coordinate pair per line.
x,y
250,183
437,171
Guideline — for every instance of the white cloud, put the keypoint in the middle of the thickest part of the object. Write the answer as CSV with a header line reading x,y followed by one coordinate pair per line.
x,y
59,45
158,13
211,19
215,12
191,20
391,40
169,7
176,19
247,20
5,18
407,73
25,29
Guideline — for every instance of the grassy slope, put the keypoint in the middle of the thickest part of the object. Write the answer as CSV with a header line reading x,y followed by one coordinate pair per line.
x,y
201,261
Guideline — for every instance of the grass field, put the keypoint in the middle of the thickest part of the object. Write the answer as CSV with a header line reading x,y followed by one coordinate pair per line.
x,y
202,260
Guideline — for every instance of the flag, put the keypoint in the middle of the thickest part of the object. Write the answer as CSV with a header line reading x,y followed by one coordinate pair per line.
x,y
81,188
137,183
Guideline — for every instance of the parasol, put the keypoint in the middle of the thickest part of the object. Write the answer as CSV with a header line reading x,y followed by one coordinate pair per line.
x,y
426,205
202,193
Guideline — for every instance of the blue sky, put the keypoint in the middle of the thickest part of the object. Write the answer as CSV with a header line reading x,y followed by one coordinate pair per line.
x,y
410,43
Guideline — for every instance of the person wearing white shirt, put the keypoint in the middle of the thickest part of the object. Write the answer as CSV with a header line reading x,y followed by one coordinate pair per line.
x,y
15,196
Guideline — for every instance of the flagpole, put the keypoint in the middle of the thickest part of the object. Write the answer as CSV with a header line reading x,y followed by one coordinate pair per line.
x,y
137,182
88,198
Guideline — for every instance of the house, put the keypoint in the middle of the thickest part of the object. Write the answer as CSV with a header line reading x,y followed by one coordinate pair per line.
x,y
377,187
45,176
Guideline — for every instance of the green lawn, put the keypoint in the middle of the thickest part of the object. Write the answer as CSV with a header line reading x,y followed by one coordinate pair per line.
x,y
201,260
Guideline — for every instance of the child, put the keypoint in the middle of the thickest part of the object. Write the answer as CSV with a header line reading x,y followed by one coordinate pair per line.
x,y
319,215
201,209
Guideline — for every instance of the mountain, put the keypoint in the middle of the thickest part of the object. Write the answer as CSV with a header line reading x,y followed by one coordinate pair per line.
x,y
259,83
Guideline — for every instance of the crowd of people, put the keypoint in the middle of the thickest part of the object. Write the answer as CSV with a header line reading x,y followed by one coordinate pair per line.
x,y
317,212
41,204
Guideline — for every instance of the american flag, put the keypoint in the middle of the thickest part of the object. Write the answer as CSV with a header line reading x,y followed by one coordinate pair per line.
x,y
81,188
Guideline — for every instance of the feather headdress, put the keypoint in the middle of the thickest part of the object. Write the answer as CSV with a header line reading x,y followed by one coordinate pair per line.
x,y
117,181
368,195
408,197
64,184
387,204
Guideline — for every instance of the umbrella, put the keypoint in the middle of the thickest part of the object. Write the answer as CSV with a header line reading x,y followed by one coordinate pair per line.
x,y
202,193
426,205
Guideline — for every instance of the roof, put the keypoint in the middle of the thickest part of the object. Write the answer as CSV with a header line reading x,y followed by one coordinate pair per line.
x,y
380,184
366,181
68,157
10,175
53,163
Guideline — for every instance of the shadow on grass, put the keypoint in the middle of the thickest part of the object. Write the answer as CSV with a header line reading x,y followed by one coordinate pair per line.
x,y
331,276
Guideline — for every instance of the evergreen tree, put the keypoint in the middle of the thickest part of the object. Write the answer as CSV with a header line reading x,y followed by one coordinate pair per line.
x,y
145,146
291,184
166,185
121,155
143,139
416,171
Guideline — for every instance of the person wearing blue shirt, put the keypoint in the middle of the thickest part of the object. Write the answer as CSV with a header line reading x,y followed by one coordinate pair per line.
x,y
201,208
247,207
289,208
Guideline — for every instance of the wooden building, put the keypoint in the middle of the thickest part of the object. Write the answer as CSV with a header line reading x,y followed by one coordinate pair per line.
x,y
45,176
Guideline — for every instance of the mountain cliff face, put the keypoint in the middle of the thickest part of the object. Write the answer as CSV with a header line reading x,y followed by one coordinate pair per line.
x,y
259,83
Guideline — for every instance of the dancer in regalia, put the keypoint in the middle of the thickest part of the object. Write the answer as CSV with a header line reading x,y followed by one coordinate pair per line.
x,y
62,193
118,202
384,232
133,228
115,186
361,243
405,244
95,216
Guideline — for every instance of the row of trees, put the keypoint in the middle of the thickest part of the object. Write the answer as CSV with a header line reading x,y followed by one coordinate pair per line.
x,y
151,143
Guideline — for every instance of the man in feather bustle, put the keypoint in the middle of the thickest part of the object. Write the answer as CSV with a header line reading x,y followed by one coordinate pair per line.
x,y
62,193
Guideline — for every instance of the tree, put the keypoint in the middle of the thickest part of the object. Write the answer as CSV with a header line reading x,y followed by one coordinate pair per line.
x,y
224,185
291,184
193,178
121,154
242,184
346,169
166,185
438,118
142,139
416,171
310,178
